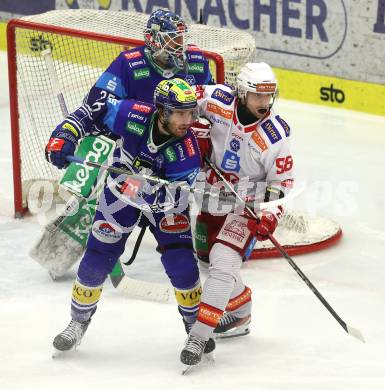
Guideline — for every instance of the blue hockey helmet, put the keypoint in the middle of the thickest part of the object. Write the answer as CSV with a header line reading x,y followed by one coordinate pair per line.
x,y
164,36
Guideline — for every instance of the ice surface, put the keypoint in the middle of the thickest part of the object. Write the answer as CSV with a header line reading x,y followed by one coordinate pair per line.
x,y
294,343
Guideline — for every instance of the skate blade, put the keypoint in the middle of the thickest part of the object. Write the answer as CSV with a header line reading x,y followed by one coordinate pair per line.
x,y
207,360
56,353
186,368
240,331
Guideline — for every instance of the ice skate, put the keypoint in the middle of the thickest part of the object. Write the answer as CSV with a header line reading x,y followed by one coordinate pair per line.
x,y
232,326
192,352
70,337
210,345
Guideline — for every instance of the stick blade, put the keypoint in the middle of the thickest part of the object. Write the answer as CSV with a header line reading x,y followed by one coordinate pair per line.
x,y
355,333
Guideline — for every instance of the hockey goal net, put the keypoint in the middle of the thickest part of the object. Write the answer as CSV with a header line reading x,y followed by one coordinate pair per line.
x,y
82,44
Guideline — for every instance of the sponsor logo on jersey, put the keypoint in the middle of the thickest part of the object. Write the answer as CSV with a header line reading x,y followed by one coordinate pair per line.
x,y
190,147
195,56
174,223
106,232
190,79
237,136
182,157
141,73
219,110
133,54
219,121
192,47
235,230
135,128
259,141
222,96
200,236
112,83
196,67
271,131
142,108
136,64
235,145
284,125
230,162
170,155
131,186
111,86
137,117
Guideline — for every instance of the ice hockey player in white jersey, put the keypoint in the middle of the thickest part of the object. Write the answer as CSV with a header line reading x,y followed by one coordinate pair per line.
x,y
249,144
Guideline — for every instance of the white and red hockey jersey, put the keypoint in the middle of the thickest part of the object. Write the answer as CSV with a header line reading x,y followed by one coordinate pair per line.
x,y
258,153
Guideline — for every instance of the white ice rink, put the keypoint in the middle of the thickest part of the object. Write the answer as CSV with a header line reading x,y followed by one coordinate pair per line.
x,y
295,344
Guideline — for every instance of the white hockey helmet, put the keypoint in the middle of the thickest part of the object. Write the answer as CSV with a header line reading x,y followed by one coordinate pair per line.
x,y
256,77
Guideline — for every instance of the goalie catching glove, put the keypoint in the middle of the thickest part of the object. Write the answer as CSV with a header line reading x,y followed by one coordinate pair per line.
x,y
62,143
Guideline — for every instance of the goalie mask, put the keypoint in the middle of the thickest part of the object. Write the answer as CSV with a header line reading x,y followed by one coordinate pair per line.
x,y
165,37
257,78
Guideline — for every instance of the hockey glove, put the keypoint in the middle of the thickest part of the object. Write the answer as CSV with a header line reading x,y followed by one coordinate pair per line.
x,y
267,225
62,143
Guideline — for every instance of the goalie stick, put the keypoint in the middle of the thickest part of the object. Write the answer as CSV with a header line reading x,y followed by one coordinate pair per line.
x,y
348,329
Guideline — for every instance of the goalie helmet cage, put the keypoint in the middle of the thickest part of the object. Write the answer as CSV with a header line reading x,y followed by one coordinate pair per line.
x,y
82,44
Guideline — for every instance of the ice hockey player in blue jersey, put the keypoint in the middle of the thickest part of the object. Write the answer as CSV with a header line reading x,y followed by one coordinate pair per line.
x,y
158,140
135,73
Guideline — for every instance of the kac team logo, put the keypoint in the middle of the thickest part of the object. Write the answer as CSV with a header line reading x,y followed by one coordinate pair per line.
x,y
235,145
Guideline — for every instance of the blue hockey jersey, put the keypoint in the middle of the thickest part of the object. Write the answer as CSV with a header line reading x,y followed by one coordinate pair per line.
x,y
134,75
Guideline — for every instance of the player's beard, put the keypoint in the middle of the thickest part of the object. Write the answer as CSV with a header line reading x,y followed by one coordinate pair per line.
x,y
252,116
179,132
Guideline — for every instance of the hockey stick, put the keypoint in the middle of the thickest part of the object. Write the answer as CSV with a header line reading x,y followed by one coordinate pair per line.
x,y
182,184
47,55
350,330
134,288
